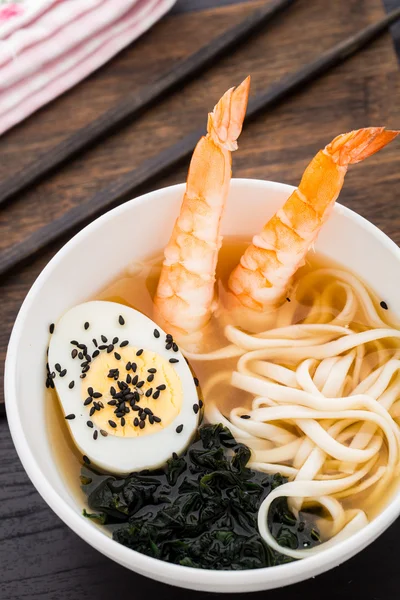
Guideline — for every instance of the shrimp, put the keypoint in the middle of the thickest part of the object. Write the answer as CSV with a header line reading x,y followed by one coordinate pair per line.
x,y
262,277
185,292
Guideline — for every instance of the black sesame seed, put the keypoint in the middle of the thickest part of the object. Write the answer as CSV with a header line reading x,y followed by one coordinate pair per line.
x,y
95,434
128,366
115,340
104,339
57,367
121,320
151,420
63,373
149,392
112,424
97,395
86,325
71,384
84,364
51,328
95,353
92,411
174,360
86,459
142,424
112,402
74,353
384,305
52,375
152,370
287,299
139,352
140,384
117,356
127,410
201,403
122,421
110,348
156,419
143,416
119,413
169,337
136,421
96,405
162,387
156,394
80,355
90,391
70,417
148,411
123,344
175,347
118,395
103,347
134,406
196,381
47,383
82,347
113,390
150,378
168,346
156,333
195,408
94,342
74,342
179,429
103,433
88,401
245,416
128,378
82,376
122,385
136,396
135,379
134,367
89,424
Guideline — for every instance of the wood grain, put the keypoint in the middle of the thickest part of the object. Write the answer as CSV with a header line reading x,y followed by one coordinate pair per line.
x,y
151,169
40,557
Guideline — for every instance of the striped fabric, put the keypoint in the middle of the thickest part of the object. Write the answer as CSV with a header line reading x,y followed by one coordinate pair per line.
x,y
47,46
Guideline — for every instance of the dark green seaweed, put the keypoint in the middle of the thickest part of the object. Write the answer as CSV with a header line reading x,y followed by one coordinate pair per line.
x,y
201,511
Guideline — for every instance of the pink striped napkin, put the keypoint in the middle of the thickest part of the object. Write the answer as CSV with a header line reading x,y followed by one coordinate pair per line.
x,y
47,46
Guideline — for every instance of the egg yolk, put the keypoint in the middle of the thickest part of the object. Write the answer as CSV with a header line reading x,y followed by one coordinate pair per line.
x,y
154,395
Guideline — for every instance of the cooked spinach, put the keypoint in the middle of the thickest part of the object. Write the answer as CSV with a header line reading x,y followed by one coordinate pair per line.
x,y
201,511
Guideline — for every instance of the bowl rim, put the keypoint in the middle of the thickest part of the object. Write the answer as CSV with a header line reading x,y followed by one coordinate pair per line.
x,y
241,581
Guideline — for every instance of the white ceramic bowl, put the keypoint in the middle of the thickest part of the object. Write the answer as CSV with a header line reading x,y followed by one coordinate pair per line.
x,y
82,268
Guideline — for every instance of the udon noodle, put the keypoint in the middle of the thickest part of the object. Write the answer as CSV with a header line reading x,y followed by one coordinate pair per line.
x,y
325,400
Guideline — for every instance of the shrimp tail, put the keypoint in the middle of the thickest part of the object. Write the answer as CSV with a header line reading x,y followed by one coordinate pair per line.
x,y
265,270
355,146
225,122
185,292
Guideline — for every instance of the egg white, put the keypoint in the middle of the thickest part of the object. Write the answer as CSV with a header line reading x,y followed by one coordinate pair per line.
x,y
114,453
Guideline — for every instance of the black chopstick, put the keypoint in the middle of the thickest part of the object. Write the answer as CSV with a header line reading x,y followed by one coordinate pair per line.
x,y
121,189
136,103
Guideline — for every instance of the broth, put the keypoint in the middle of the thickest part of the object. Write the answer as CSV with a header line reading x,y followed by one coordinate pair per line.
x,y
136,288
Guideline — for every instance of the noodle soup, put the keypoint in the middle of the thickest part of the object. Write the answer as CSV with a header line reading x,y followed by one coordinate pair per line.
x,y
332,342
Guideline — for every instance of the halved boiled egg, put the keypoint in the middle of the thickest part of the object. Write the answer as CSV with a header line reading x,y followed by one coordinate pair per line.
x,y
128,395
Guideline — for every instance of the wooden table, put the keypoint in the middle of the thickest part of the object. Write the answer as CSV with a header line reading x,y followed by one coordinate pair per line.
x,y
39,556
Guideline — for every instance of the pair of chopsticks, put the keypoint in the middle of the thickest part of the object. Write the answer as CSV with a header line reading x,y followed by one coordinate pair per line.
x,y
122,188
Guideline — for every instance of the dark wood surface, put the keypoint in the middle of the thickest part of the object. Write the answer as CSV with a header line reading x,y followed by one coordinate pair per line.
x,y
39,556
